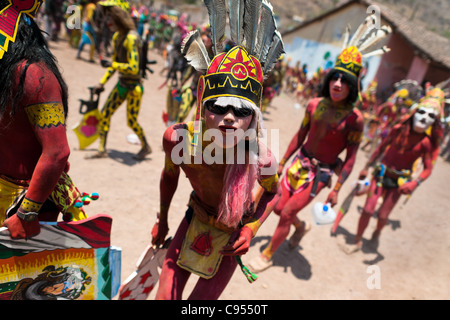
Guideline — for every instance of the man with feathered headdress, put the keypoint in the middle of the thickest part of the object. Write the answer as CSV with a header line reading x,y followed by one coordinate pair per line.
x,y
331,125
220,152
34,185
418,135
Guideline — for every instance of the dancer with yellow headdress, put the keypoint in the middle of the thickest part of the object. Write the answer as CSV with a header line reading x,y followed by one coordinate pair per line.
x,y
220,153
332,124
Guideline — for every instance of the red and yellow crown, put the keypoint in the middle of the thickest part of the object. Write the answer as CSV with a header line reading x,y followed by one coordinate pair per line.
x,y
435,98
10,13
350,61
234,74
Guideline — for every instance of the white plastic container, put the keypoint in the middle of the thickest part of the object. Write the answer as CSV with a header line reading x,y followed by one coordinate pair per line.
x,y
323,213
362,186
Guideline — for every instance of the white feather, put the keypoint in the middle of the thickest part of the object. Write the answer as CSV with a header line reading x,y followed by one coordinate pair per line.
x,y
376,52
345,37
362,29
375,37
275,51
194,51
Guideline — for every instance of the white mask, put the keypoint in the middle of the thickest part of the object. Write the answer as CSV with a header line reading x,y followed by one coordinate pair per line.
x,y
423,119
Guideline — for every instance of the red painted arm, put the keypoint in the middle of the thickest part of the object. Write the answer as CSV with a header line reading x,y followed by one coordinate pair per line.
x,y
167,187
46,116
43,107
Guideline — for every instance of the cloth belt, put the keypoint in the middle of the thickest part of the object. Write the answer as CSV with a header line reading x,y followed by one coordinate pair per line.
x,y
209,216
319,167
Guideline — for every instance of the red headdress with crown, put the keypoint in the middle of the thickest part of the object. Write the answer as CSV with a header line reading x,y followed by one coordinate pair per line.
x,y
239,72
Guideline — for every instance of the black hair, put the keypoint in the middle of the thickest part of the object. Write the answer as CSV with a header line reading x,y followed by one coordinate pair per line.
x,y
352,82
31,46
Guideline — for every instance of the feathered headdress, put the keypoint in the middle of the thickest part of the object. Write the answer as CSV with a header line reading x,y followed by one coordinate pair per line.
x,y
10,13
239,72
355,49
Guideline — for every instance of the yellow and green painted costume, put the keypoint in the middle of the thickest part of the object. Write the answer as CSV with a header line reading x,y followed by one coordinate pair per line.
x,y
126,50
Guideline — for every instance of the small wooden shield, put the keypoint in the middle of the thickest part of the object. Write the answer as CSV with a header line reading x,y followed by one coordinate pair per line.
x,y
142,281
66,261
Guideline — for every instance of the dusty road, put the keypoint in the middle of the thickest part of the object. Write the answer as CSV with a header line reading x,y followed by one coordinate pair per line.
x,y
411,261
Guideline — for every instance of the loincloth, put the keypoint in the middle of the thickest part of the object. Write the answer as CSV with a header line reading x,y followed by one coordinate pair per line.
x,y
391,178
204,239
303,171
10,192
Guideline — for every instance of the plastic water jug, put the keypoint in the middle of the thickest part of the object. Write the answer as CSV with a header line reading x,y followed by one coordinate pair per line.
x,y
362,186
323,213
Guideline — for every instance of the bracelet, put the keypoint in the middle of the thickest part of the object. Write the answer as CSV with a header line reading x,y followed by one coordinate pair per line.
x,y
419,181
337,187
30,205
282,161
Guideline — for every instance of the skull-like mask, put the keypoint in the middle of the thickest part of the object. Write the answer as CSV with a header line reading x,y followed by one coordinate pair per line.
x,y
424,117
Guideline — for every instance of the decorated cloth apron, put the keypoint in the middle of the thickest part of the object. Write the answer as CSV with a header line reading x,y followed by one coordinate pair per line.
x,y
204,239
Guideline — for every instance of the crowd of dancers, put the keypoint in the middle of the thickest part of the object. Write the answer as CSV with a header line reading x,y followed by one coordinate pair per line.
x,y
228,84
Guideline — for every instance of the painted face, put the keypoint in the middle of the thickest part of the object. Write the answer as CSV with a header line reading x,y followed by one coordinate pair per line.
x,y
424,118
110,23
339,88
206,40
230,123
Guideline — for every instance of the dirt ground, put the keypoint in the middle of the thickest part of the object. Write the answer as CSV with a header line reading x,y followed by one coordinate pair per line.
x,y
411,261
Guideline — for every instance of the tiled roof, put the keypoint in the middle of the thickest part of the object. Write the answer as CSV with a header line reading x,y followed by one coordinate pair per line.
x,y
429,45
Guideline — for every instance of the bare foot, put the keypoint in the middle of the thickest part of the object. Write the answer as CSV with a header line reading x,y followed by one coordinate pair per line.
x,y
143,152
260,263
352,248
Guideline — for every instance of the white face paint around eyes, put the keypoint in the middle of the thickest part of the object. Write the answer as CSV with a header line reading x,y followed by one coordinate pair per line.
x,y
423,119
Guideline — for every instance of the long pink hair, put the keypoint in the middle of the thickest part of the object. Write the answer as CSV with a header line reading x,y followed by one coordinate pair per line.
x,y
239,181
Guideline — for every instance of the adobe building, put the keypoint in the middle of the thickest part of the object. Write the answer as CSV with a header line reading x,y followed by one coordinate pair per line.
x,y
416,53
